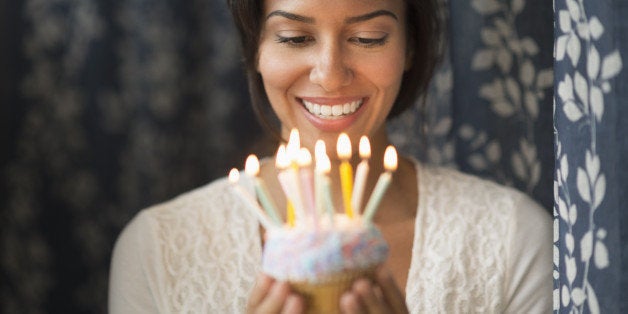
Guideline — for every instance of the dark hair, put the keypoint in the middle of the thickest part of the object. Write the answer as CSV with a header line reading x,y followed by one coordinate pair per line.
x,y
424,46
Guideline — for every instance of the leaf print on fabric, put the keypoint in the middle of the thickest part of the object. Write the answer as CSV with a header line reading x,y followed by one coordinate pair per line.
x,y
581,100
516,91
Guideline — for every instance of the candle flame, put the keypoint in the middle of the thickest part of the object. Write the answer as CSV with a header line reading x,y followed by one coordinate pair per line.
x,y
251,166
234,175
343,147
294,144
323,164
365,147
390,158
305,157
282,161
319,149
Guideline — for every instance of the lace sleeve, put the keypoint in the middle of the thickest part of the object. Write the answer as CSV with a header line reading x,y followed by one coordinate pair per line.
x,y
529,265
129,288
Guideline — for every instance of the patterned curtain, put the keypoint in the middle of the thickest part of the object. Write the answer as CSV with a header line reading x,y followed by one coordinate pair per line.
x,y
111,106
591,177
489,110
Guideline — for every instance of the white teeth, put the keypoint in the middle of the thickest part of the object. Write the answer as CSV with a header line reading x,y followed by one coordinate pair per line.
x,y
334,111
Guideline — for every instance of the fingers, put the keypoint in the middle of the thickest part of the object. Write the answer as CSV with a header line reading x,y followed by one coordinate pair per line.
x,y
393,296
350,303
275,299
271,296
262,284
294,304
382,296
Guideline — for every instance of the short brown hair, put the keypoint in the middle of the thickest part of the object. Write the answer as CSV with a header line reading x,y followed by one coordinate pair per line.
x,y
424,45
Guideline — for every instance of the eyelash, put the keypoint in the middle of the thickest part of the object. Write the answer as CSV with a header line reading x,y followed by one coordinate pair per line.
x,y
301,41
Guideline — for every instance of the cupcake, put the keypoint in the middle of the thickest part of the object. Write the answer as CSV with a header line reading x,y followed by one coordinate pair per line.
x,y
321,262
319,252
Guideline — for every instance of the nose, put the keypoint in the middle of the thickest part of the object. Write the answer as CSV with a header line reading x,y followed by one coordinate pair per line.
x,y
330,71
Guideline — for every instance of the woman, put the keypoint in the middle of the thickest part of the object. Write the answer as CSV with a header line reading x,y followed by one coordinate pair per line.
x,y
457,243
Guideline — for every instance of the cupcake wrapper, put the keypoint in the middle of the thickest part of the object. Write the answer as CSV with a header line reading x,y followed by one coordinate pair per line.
x,y
323,296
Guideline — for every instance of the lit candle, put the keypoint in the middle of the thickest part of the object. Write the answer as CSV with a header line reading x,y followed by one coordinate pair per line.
x,y
305,174
292,173
282,162
294,145
251,168
343,148
319,151
390,164
323,166
249,201
361,174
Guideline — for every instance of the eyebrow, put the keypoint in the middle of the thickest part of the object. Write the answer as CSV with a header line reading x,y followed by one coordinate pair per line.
x,y
291,16
349,20
368,16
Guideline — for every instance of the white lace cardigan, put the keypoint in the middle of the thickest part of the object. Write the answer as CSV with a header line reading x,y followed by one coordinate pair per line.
x,y
478,248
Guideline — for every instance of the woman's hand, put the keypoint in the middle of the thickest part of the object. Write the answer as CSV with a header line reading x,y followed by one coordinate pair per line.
x,y
383,296
271,296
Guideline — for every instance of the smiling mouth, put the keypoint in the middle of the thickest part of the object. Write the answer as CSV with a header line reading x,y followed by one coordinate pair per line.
x,y
332,111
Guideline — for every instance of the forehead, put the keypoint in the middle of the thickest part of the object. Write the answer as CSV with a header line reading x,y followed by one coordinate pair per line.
x,y
332,9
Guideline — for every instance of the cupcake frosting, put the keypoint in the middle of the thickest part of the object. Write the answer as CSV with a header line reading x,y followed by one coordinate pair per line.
x,y
308,253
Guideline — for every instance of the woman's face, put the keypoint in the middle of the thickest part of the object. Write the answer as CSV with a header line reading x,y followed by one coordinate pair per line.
x,y
332,66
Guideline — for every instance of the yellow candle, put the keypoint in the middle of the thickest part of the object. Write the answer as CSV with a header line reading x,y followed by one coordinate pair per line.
x,y
343,149
290,217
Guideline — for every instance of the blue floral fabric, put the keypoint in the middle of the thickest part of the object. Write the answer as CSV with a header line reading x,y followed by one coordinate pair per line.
x,y
591,177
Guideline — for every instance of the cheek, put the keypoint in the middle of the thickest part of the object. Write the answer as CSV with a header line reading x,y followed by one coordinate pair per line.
x,y
386,74
277,74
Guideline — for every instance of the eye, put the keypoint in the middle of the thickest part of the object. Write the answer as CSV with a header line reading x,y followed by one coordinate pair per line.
x,y
369,42
294,41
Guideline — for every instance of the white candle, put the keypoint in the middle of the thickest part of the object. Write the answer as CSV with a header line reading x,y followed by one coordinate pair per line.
x,y
390,164
282,162
319,149
323,166
361,174
292,174
249,201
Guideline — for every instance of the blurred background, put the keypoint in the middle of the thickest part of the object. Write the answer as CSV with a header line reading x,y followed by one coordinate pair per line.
x,y
107,107
110,106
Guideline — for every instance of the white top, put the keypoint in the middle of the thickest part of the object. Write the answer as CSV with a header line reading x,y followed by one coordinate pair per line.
x,y
478,248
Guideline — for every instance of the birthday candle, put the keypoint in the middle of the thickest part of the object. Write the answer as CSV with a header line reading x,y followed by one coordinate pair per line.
x,y
249,201
323,166
290,213
305,174
361,174
292,173
319,150
294,145
390,164
343,149
282,163
251,168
